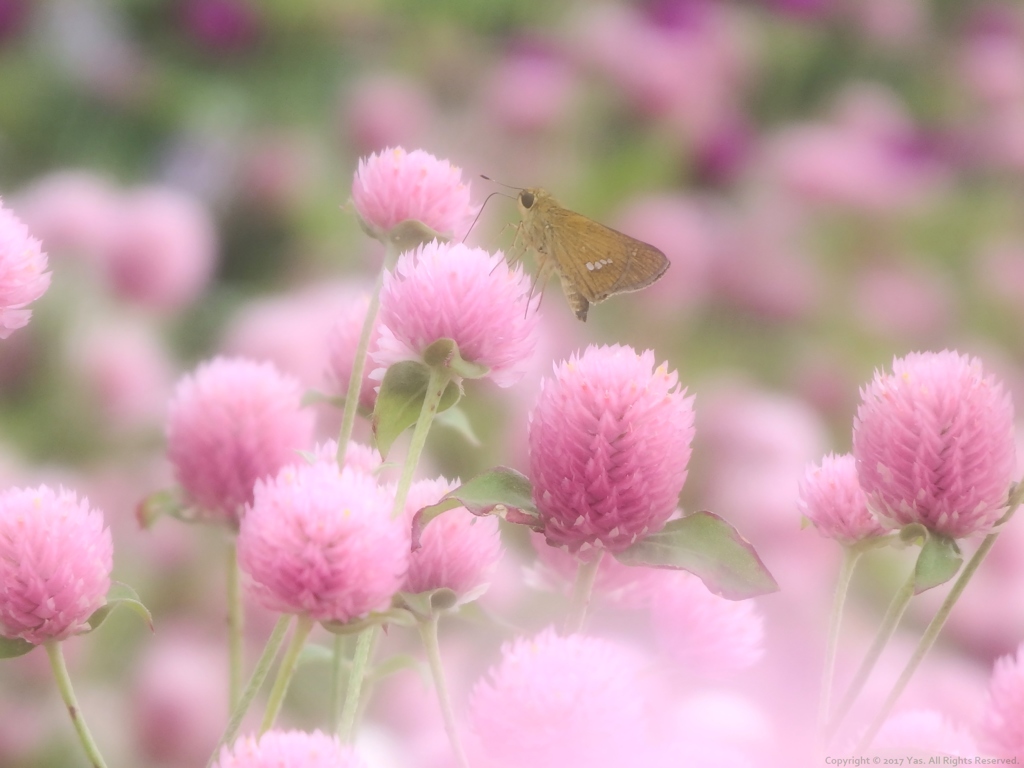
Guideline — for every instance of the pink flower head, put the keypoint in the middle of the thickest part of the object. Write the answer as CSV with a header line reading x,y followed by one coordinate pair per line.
x,y
560,701
341,352
445,291
231,423
934,444
322,542
23,275
926,730
71,211
394,186
1002,723
359,457
609,444
288,749
55,562
709,635
458,550
832,499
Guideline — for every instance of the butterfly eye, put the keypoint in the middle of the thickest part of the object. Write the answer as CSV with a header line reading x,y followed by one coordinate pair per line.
x,y
526,199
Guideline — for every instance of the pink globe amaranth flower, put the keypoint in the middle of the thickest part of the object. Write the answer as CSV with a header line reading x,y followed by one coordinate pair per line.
x,y
609,444
321,542
288,749
232,422
55,562
832,499
1001,730
925,730
934,444
344,339
710,636
394,186
458,550
163,249
363,458
560,701
443,291
23,275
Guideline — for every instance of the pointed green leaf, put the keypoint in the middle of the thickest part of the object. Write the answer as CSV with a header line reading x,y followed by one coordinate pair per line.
x,y
166,503
500,490
938,562
400,401
455,419
428,604
121,594
12,647
709,548
444,353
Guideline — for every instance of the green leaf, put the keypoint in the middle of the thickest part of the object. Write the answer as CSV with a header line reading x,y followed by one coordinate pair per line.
x,y
399,616
709,548
400,401
428,604
12,647
455,419
121,594
411,234
938,562
444,353
166,503
500,491
394,663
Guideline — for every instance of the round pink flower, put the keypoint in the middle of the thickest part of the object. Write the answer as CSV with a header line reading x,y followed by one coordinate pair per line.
x,y
288,749
72,211
23,275
458,550
1002,723
709,635
322,542
231,423
362,458
832,499
934,444
443,291
344,338
560,701
609,444
925,730
393,186
55,563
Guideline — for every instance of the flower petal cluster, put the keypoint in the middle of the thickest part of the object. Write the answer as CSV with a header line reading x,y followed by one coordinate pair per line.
x,y
452,291
609,445
934,444
288,749
1002,722
832,499
55,562
23,275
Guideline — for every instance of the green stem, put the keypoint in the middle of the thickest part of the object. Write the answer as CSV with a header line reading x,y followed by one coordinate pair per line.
x,y
428,633
850,557
586,575
885,632
235,626
303,626
440,377
360,660
338,678
259,674
67,693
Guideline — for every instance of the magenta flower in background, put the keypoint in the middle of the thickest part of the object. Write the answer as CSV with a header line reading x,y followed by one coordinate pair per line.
x,y
341,351
1001,730
832,499
321,542
393,186
230,423
609,444
288,749
23,275
458,550
558,701
452,291
55,562
221,25
934,444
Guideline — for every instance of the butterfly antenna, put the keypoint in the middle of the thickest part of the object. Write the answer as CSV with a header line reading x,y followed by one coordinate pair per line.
x,y
507,186
478,213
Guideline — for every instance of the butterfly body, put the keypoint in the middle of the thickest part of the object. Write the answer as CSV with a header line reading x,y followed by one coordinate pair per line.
x,y
593,261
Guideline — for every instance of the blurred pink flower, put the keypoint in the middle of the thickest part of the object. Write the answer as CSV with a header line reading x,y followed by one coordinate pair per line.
x,y
230,423
903,301
458,550
925,730
832,499
393,186
341,350
288,749
384,110
530,88
558,701
163,249
221,25
609,444
55,562
934,444
320,541
1001,730
23,275
895,24
363,458
991,59
444,291
711,637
